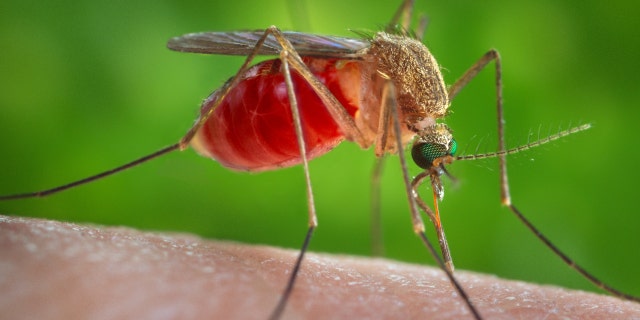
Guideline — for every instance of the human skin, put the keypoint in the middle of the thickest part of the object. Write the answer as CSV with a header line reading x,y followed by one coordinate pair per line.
x,y
58,270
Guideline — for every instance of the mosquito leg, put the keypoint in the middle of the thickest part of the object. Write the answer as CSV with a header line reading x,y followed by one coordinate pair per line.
x,y
597,282
422,27
382,139
293,102
377,243
434,217
181,145
506,197
491,55
384,120
471,73
339,114
313,219
502,156
418,225
44,193
184,142
504,182
291,60
403,14
282,303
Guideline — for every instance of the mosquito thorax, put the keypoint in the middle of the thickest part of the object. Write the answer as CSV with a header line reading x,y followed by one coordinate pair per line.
x,y
434,146
420,89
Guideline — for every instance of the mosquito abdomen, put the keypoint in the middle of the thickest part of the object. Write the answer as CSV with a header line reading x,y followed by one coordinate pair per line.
x,y
252,129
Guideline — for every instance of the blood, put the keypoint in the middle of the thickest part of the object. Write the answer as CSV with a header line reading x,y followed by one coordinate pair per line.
x,y
252,129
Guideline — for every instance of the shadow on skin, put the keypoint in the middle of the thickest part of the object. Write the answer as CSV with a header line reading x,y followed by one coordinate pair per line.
x,y
56,270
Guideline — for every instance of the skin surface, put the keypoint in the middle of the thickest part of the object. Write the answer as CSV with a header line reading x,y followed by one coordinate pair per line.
x,y
57,270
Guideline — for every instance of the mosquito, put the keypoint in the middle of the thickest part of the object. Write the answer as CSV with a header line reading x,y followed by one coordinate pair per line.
x,y
382,90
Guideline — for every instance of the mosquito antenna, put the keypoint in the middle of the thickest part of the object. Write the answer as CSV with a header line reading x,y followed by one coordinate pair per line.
x,y
480,143
529,136
466,147
539,142
539,130
44,193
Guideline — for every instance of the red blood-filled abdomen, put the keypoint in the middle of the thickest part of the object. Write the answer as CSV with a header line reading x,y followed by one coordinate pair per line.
x,y
252,129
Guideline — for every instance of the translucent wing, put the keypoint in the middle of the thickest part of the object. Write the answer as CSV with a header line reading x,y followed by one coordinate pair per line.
x,y
243,42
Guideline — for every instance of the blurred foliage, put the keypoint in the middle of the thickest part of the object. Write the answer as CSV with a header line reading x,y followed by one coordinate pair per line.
x,y
88,85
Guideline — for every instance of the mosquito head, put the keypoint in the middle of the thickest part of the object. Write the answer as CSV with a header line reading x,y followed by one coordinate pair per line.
x,y
434,147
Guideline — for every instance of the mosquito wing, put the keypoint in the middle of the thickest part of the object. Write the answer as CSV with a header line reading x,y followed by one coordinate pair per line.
x,y
243,42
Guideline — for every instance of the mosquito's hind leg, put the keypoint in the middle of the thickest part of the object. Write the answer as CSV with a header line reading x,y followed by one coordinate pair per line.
x,y
180,145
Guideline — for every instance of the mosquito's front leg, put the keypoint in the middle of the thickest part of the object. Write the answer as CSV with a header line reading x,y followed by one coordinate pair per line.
x,y
434,217
418,225
502,153
491,55
382,139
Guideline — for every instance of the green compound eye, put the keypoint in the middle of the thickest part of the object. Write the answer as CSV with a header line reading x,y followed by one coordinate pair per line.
x,y
425,153
453,147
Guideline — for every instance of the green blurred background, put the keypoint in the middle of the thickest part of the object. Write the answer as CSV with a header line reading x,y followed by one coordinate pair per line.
x,y
88,85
